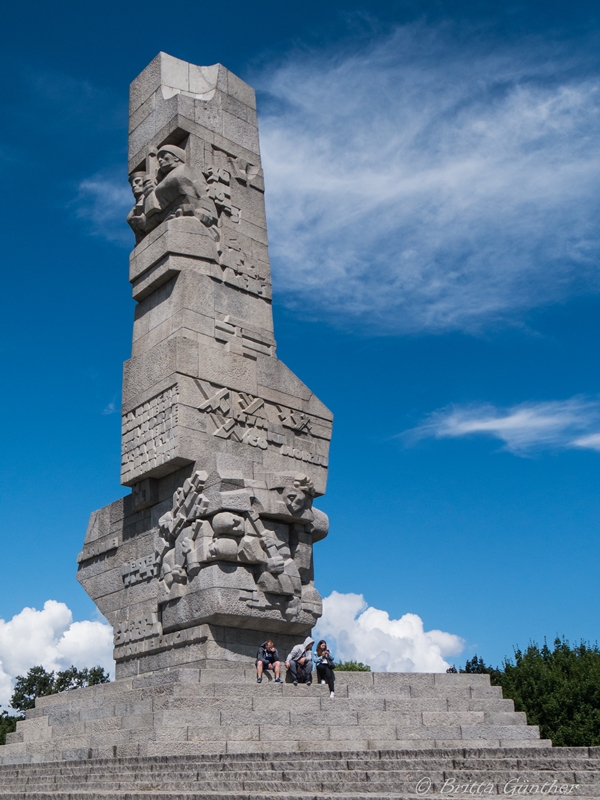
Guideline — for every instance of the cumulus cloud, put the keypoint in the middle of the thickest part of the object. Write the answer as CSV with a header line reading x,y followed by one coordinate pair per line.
x,y
356,631
51,639
523,428
430,183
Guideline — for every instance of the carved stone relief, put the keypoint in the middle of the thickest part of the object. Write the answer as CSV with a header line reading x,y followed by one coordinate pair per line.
x,y
244,172
98,548
219,191
260,531
169,189
149,434
242,339
132,630
136,640
139,570
269,525
261,423
153,443
235,268
144,494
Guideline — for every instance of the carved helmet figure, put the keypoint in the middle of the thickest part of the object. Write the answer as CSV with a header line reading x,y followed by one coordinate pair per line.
x,y
179,192
170,156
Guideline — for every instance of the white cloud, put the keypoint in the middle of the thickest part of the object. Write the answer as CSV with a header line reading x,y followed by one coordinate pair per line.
x,y
591,442
6,689
434,180
357,631
103,202
522,428
432,183
51,639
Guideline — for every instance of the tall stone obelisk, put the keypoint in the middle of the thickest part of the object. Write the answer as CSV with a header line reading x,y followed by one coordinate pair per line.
x,y
224,448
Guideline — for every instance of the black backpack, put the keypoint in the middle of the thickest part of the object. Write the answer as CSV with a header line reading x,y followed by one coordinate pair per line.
x,y
301,673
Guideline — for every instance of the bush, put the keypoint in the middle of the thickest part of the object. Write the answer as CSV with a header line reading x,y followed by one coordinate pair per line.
x,y
352,666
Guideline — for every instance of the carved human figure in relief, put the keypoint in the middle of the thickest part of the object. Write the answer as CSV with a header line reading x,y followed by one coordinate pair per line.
x,y
299,496
271,532
136,217
228,529
174,192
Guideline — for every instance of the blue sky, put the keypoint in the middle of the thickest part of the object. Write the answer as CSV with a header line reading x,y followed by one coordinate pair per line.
x,y
432,192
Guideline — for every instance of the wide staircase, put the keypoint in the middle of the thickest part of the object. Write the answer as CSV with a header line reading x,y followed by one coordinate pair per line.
x,y
216,733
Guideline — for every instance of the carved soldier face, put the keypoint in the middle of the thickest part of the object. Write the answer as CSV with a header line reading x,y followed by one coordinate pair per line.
x,y
296,500
167,161
137,184
228,523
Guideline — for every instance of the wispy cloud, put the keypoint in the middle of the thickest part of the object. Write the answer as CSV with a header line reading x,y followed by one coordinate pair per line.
x,y
430,182
590,442
523,428
103,202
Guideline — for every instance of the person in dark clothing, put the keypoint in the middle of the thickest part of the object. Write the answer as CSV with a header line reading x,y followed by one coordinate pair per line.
x,y
325,666
267,657
299,662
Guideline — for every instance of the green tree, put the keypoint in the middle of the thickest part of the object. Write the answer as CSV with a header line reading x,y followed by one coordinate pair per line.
x,y
476,666
558,689
73,678
39,683
8,724
352,666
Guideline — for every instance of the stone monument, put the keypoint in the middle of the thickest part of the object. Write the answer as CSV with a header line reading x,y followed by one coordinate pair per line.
x,y
224,448
225,451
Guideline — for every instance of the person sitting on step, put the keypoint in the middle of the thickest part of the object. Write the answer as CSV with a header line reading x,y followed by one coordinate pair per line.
x,y
299,662
267,657
325,666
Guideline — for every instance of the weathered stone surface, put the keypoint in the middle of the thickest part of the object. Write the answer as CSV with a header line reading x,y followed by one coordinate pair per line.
x,y
225,451
224,448
223,707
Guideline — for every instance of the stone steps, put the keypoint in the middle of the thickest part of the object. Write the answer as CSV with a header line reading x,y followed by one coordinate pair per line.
x,y
288,775
200,711
217,733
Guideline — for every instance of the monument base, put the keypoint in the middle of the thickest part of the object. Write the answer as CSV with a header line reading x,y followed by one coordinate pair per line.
x,y
216,733
224,710
181,600
201,647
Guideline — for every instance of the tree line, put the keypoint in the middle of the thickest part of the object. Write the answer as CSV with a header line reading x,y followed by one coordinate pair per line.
x,y
557,687
39,683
